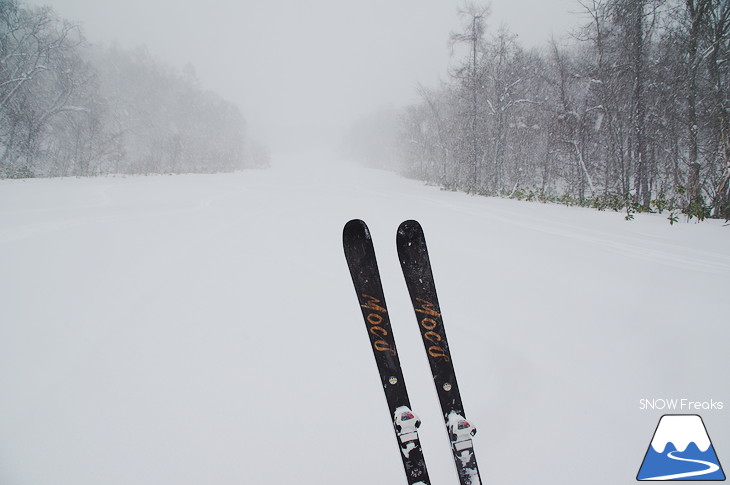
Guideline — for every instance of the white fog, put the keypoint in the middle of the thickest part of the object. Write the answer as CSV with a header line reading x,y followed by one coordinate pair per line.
x,y
301,70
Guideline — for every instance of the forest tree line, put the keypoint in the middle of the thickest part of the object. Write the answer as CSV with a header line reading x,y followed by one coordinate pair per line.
x,y
71,109
630,114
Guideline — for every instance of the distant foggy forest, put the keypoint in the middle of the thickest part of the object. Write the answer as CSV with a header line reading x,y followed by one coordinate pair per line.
x,y
630,114
68,108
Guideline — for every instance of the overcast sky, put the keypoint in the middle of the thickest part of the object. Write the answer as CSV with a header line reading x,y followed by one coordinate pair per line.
x,y
301,68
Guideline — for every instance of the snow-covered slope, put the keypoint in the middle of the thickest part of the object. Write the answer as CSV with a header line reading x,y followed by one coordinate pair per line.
x,y
203,329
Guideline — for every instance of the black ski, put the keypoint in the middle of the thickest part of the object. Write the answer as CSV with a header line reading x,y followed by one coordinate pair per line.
x,y
416,266
360,256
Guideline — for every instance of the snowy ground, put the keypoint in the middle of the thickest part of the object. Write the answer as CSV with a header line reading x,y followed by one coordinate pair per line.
x,y
203,329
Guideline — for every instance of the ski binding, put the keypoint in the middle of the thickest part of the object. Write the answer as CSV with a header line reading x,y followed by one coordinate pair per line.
x,y
406,427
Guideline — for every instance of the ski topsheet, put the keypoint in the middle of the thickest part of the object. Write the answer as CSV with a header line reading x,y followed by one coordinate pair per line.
x,y
416,266
360,256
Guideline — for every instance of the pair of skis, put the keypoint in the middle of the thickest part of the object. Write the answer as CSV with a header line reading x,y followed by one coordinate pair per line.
x,y
416,266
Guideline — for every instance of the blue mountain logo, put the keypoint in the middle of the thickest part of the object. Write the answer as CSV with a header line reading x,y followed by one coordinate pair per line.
x,y
681,450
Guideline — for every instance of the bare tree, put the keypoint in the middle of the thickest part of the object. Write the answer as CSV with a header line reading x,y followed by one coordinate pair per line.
x,y
696,12
572,116
718,62
37,79
469,73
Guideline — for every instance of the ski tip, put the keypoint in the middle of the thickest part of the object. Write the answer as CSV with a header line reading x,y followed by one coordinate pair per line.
x,y
409,227
355,225
354,228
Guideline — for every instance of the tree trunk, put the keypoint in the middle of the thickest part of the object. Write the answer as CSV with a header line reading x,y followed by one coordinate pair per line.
x,y
720,27
695,12
641,181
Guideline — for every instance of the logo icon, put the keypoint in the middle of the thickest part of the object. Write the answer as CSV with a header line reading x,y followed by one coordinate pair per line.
x,y
680,450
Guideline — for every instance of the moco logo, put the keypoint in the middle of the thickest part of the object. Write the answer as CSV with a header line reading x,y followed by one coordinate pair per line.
x,y
429,325
377,324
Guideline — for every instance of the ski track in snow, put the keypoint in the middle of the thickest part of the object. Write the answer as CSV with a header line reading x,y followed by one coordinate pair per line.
x,y
644,247
647,248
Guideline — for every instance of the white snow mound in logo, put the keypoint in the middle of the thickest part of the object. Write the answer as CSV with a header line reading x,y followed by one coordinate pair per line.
x,y
680,430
